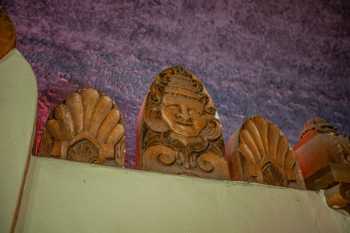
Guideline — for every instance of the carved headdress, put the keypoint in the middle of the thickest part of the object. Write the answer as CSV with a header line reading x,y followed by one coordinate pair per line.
x,y
174,81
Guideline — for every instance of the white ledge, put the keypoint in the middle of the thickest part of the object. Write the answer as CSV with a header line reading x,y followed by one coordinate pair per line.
x,y
18,99
63,196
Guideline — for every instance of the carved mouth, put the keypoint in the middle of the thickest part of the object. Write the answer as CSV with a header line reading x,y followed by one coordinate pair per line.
x,y
185,123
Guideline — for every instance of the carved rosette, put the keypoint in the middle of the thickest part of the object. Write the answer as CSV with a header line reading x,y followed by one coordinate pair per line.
x,y
87,127
178,130
260,152
7,33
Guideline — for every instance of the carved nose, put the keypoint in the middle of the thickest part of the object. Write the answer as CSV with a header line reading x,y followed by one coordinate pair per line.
x,y
184,114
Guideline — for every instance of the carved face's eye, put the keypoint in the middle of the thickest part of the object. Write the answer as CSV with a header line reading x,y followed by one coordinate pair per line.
x,y
173,109
193,111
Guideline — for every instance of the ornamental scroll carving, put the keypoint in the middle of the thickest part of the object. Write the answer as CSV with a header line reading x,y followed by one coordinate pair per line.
x,y
87,127
324,158
333,147
259,152
179,132
7,33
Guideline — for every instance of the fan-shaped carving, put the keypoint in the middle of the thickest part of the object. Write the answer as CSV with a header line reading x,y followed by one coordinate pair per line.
x,y
259,152
87,127
7,33
178,129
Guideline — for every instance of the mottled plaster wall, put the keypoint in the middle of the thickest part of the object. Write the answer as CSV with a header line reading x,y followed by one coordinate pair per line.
x,y
285,60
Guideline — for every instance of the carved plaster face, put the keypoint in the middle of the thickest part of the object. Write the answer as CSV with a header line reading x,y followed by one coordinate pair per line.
x,y
180,134
184,115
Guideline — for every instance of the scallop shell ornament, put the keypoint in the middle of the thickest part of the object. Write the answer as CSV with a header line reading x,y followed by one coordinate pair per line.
x,y
87,127
260,152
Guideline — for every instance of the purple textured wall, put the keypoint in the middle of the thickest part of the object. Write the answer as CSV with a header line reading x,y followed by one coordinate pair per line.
x,y
285,60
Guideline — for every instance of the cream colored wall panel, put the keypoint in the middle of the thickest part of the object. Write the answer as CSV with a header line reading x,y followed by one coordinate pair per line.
x,y
18,98
64,197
